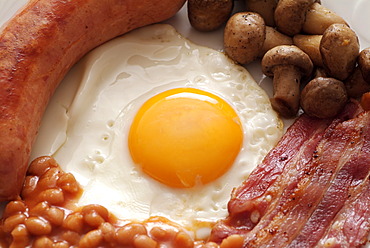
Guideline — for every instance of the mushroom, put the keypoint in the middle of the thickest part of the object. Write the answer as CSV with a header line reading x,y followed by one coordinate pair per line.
x,y
287,65
309,16
244,36
274,38
323,97
290,15
310,44
319,72
339,50
265,8
356,85
319,18
208,15
364,63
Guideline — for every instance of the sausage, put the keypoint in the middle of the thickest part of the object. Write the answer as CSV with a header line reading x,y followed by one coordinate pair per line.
x,y
37,48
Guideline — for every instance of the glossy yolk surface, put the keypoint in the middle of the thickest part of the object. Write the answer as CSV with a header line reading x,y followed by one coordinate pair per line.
x,y
184,137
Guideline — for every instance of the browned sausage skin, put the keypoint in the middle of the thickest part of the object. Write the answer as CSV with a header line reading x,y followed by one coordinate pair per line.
x,y
37,47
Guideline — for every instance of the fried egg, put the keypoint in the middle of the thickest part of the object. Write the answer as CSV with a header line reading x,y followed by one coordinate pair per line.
x,y
152,124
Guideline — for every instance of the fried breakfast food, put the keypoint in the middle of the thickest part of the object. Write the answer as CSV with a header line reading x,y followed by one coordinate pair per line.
x,y
311,190
38,46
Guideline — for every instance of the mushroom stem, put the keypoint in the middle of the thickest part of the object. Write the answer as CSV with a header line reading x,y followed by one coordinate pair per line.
x,y
286,84
319,18
310,44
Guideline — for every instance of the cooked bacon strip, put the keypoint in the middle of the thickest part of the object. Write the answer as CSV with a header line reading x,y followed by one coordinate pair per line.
x,y
285,221
250,201
351,227
353,173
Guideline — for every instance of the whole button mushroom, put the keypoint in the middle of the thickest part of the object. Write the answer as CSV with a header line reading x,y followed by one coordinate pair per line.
x,y
287,65
309,16
323,97
208,15
291,14
244,36
339,48
364,64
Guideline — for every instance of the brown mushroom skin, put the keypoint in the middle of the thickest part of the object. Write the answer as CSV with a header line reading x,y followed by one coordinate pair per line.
x,y
287,65
319,72
310,44
356,85
266,8
244,36
364,64
209,15
290,15
274,38
319,18
323,97
339,48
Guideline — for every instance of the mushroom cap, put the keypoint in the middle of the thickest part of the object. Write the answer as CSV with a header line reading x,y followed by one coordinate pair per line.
x,y
323,97
364,63
286,55
209,15
290,15
339,48
244,36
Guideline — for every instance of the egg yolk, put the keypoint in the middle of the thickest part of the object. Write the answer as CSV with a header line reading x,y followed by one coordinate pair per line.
x,y
184,137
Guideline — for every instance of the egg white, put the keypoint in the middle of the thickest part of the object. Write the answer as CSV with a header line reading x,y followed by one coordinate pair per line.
x,y
87,123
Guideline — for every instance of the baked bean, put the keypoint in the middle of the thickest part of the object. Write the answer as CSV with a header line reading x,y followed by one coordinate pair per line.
x,y
49,179
40,209
40,165
12,221
143,241
53,196
38,226
42,242
127,233
108,232
160,234
62,244
55,216
71,237
91,239
183,240
20,235
14,207
67,182
74,222
29,186
233,241
95,215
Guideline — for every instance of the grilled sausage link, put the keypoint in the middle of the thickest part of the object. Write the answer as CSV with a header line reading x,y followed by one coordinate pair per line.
x,y
37,48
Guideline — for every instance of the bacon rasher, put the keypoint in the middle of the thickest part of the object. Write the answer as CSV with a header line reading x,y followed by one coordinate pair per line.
x,y
280,169
351,226
349,177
